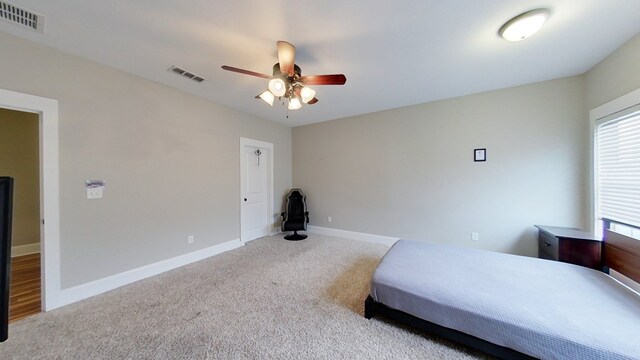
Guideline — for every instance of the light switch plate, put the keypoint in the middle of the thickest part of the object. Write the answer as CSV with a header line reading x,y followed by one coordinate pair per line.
x,y
94,193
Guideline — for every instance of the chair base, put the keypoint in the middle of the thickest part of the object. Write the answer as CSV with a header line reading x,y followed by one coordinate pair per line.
x,y
295,236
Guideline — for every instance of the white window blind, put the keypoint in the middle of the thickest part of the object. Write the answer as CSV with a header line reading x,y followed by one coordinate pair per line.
x,y
618,168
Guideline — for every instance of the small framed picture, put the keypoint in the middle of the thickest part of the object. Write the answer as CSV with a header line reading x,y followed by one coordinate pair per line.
x,y
480,155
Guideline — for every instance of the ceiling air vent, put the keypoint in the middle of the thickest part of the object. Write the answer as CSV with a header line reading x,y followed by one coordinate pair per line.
x,y
22,17
186,74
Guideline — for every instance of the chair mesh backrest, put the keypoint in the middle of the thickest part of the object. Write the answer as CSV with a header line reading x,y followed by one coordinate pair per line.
x,y
296,205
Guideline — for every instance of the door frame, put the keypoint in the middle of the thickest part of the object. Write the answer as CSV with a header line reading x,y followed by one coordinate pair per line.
x,y
270,212
47,109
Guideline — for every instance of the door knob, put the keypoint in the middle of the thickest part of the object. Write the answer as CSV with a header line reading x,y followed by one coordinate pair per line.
x,y
245,199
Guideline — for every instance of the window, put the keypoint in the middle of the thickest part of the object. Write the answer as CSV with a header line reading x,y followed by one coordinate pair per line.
x,y
617,172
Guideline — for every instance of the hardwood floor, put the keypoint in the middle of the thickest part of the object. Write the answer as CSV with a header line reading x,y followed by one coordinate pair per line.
x,y
24,292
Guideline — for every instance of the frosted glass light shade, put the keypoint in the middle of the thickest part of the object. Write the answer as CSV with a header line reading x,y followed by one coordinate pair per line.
x,y
268,97
277,87
307,94
524,25
294,103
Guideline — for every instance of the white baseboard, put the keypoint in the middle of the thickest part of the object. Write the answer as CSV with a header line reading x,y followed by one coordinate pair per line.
x,y
372,238
27,249
80,292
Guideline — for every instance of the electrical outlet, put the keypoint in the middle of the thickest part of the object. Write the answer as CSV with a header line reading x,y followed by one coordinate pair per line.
x,y
329,218
475,236
190,239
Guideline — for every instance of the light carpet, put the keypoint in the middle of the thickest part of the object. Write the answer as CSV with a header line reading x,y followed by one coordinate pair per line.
x,y
271,299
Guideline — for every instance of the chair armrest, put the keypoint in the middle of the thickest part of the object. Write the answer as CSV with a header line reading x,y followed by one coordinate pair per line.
x,y
306,214
283,215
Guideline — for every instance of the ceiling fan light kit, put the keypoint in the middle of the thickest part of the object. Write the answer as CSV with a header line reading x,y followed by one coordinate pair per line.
x,y
294,103
524,25
267,96
307,93
287,80
277,87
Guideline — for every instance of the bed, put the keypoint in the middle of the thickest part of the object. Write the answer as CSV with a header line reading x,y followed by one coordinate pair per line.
x,y
513,307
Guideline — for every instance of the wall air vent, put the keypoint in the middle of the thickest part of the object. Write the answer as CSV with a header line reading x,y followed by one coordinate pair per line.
x,y
22,17
186,74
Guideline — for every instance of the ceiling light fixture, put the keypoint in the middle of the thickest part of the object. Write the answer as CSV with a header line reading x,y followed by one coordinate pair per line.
x,y
287,81
268,97
524,25
277,87
307,94
294,103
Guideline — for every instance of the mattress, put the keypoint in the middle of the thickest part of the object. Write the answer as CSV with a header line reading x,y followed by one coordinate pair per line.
x,y
542,308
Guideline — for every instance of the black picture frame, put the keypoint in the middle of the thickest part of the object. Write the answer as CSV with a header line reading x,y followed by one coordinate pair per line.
x,y
480,154
6,209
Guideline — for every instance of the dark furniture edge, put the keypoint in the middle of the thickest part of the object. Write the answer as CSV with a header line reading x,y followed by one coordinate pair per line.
x,y
569,233
622,253
6,202
373,308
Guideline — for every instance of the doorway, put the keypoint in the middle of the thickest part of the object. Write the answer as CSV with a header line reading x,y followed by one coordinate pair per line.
x,y
256,189
19,159
47,112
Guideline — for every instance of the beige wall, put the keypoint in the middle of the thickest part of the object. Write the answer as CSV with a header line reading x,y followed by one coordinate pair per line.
x,y
615,76
19,153
410,173
170,160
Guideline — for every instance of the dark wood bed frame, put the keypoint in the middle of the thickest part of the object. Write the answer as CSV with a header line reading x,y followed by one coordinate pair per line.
x,y
620,253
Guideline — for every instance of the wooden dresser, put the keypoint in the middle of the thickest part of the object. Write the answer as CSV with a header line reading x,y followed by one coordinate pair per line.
x,y
569,245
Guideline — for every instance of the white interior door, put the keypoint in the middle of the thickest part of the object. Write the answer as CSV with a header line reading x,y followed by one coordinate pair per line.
x,y
255,189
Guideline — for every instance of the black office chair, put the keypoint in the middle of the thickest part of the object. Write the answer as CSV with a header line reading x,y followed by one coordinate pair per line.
x,y
296,217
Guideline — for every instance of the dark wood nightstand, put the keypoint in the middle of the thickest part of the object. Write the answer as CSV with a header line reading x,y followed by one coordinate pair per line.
x,y
569,245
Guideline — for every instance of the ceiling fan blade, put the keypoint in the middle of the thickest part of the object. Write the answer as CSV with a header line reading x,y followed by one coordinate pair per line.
x,y
313,101
286,57
245,72
335,79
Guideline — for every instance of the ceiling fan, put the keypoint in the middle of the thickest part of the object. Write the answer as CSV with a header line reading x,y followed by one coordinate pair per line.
x,y
287,80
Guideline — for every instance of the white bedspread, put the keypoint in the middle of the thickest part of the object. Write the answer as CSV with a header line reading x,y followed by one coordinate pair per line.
x,y
546,309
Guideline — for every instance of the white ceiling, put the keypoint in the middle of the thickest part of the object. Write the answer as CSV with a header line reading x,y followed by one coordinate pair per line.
x,y
394,53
